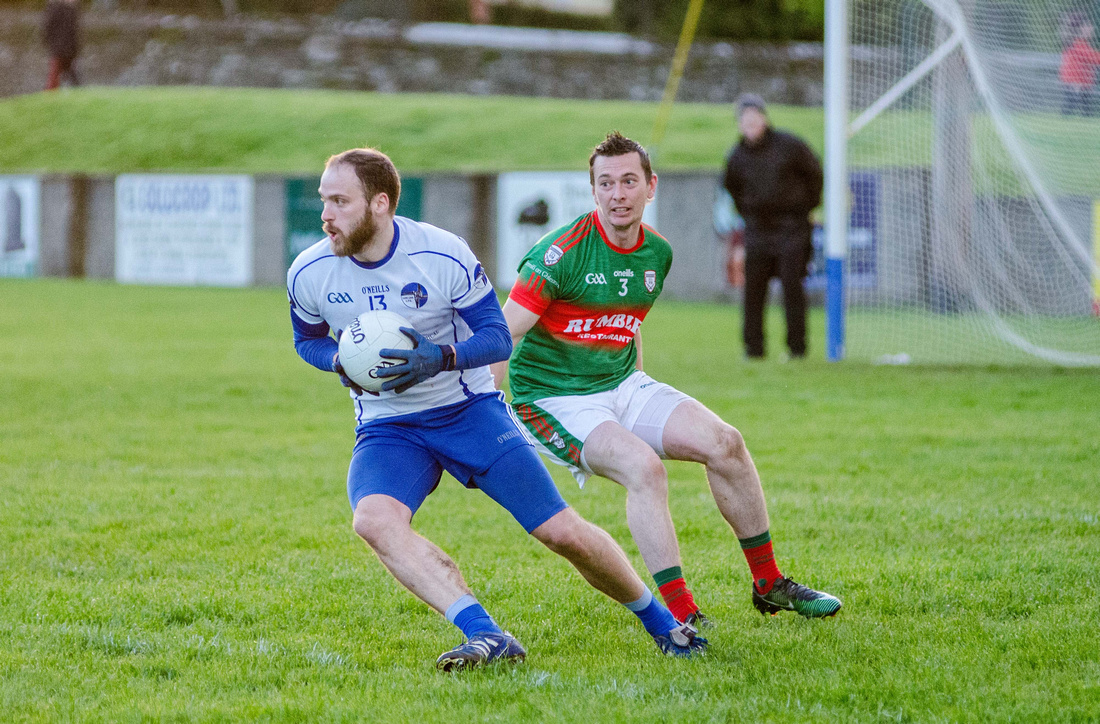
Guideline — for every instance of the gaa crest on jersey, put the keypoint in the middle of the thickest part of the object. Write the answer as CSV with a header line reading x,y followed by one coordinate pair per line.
x,y
553,255
650,280
414,295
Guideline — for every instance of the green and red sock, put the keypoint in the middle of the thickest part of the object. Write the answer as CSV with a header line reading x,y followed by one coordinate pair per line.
x,y
678,598
758,552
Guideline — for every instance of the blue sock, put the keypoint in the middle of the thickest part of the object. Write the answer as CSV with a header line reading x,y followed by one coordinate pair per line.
x,y
471,617
657,619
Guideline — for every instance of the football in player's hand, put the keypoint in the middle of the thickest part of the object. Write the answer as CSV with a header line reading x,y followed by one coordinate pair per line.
x,y
363,338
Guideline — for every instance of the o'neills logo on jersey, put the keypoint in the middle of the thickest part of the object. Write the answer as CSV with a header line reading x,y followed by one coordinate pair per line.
x,y
553,255
650,280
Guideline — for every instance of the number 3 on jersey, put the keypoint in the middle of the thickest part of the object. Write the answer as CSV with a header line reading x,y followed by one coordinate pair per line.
x,y
622,292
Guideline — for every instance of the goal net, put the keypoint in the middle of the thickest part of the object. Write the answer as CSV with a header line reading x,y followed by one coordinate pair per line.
x,y
974,169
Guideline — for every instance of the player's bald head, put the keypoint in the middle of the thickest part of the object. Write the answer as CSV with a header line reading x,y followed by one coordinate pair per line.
x,y
375,171
616,144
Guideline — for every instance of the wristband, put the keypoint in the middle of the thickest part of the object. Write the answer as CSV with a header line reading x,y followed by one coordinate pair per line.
x,y
448,358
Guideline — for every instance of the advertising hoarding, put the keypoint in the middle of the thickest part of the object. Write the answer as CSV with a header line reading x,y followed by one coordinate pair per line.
x,y
187,230
20,200
304,207
532,203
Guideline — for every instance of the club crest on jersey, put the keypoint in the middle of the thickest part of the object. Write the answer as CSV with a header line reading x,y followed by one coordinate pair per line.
x,y
557,442
650,280
414,295
480,280
553,255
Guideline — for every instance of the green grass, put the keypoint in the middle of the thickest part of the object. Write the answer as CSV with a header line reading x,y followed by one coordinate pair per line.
x,y
175,539
107,130
236,130
928,337
1063,150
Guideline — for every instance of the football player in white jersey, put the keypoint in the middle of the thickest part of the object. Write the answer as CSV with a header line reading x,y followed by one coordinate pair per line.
x,y
440,410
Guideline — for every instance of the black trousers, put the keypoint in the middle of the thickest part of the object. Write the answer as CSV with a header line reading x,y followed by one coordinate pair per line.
x,y
761,265
1078,101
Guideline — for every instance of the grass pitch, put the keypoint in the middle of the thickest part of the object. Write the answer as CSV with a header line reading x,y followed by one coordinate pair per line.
x,y
240,130
175,539
257,131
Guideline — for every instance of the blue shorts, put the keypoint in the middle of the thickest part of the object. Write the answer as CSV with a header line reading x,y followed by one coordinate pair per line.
x,y
478,441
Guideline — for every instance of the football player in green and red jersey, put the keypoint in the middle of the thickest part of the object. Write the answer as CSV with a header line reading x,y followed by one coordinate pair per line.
x,y
578,385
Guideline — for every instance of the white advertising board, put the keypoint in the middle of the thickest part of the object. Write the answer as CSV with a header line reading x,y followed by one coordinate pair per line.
x,y
188,230
20,199
532,203
600,8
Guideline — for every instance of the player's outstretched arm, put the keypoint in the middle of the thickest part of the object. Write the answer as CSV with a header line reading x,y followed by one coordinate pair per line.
x,y
520,321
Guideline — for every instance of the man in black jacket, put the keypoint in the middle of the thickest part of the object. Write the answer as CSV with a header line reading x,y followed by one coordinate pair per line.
x,y
775,181
61,33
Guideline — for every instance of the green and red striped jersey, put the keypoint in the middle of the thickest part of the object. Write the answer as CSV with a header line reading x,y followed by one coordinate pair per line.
x,y
591,297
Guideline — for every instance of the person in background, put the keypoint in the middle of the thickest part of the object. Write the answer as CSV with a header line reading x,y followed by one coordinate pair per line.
x,y
1078,68
61,33
775,181
480,13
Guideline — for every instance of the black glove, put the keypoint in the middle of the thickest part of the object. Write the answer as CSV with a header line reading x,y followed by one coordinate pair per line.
x,y
344,379
424,361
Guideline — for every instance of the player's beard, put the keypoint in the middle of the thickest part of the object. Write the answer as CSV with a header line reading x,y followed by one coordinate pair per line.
x,y
358,239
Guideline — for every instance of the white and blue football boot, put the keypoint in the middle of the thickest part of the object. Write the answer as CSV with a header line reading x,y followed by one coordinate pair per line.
x,y
481,649
682,641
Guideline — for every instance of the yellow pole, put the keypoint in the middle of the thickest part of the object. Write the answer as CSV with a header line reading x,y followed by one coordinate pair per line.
x,y
1096,258
687,35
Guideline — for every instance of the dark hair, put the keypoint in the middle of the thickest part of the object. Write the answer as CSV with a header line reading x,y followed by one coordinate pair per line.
x,y
375,170
750,100
616,144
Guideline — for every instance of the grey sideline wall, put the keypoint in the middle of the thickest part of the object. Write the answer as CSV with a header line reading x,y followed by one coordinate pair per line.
x,y
78,238
138,49
134,49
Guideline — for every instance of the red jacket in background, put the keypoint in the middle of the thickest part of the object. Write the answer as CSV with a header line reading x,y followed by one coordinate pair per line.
x,y
1079,62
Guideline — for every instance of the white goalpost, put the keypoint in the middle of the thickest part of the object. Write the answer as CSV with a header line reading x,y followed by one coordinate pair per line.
x,y
967,169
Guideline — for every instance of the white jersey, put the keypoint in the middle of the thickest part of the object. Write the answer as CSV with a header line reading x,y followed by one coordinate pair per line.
x,y
428,275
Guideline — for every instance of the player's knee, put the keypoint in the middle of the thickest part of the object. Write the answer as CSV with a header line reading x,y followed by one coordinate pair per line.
x,y
730,444
374,526
569,543
649,475
565,534
361,524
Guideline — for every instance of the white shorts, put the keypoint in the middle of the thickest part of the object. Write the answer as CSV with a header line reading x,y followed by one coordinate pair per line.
x,y
560,425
